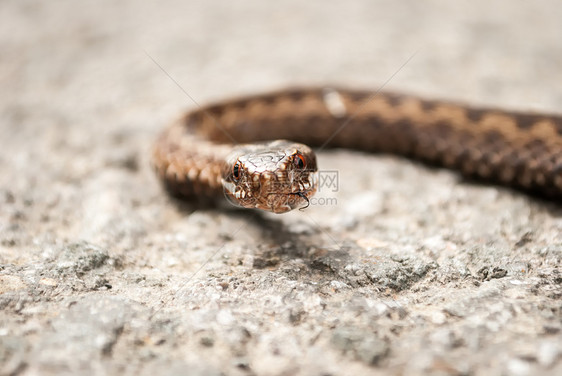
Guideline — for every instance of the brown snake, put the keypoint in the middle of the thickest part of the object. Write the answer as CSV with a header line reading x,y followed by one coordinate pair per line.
x,y
203,154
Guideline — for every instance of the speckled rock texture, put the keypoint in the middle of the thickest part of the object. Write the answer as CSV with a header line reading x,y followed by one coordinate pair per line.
x,y
397,269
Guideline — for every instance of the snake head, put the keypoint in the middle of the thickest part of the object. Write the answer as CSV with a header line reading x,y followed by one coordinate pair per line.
x,y
277,176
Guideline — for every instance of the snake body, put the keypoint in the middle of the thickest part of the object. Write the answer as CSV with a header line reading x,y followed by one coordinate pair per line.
x,y
202,154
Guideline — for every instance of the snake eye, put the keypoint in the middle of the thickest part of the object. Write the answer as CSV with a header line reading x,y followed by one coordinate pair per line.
x,y
299,161
236,171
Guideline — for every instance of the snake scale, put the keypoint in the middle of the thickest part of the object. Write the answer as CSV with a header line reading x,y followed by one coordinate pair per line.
x,y
218,149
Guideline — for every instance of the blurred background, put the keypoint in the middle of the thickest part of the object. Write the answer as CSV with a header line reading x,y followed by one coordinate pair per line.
x,y
90,56
85,66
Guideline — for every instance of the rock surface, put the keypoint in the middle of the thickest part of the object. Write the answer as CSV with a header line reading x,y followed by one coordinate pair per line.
x,y
400,269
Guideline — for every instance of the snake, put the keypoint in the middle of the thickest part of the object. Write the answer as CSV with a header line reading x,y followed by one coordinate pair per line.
x,y
256,151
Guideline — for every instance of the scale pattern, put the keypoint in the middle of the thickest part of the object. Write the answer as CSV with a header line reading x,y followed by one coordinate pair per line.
x,y
516,149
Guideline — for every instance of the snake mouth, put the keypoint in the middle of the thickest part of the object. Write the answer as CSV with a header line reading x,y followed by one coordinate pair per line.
x,y
282,197
283,202
275,202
